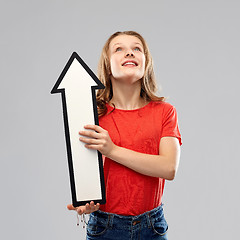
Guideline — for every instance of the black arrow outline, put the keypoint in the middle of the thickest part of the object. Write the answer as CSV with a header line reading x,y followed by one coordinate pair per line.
x,y
67,134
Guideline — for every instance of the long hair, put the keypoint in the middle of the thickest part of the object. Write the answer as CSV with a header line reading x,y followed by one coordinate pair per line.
x,y
148,82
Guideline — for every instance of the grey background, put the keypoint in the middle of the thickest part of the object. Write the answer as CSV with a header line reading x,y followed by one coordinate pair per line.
x,y
195,47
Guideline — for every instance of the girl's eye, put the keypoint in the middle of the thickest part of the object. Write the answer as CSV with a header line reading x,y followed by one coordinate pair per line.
x,y
118,49
137,49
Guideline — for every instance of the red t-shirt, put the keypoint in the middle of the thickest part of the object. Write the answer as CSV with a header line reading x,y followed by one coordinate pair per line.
x,y
129,192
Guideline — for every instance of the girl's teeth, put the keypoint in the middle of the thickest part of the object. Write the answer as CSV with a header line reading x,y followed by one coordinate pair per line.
x,y
129,63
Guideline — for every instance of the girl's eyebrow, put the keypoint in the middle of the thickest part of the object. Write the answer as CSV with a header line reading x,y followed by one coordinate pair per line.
x,y
116,44
133,43
138,43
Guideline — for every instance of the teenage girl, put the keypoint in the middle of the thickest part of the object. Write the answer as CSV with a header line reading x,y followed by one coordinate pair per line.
x,y
139,139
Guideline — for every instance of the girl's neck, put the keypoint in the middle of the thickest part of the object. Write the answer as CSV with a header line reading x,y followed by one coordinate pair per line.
x,y
127,96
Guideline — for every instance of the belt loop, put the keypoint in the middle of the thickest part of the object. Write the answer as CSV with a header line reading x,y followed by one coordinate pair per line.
x,y
110,220
148,220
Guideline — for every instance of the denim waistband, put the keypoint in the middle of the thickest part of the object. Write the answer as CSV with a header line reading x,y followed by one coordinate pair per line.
x,y
128,220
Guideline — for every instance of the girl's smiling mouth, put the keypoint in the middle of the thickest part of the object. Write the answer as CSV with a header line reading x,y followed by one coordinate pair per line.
x,y
130,63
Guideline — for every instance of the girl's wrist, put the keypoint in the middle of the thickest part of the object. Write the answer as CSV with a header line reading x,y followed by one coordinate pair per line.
x,y
112,152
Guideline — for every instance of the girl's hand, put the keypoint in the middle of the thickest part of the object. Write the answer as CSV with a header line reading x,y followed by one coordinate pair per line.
x,y
87,209
98,139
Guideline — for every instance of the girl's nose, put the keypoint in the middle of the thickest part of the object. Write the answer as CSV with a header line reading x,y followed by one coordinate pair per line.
x,y
129,53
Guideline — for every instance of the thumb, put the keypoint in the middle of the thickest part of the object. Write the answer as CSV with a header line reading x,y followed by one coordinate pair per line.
x,y
71,207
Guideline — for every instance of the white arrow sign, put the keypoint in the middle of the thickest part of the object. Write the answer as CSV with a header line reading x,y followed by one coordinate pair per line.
x,y
77,85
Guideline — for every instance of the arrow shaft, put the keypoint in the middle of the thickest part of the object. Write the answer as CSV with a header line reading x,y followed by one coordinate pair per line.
x,y
77,117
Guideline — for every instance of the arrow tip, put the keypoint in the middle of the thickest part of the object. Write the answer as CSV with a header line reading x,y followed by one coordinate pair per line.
x,y
66,68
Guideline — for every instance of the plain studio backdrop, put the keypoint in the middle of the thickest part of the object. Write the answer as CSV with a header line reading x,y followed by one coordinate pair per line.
x,y
195,47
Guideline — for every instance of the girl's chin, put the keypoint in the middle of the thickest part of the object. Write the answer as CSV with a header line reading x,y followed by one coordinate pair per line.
x,y
128,78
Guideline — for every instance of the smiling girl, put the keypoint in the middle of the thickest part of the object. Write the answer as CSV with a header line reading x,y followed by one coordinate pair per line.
x,y
139,139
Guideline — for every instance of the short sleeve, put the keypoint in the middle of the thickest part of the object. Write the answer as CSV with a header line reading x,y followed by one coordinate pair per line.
x,y
170,124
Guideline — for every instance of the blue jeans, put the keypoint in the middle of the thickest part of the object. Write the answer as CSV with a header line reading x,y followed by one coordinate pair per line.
x,y
108,226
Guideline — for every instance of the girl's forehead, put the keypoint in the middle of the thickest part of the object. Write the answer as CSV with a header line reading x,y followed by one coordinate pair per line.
x,y
125,39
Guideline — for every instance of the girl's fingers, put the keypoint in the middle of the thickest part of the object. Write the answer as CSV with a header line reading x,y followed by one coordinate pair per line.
x,y
91,206
98,206
90,140
88,208
94,147
71,207
80,211
94,127
90,134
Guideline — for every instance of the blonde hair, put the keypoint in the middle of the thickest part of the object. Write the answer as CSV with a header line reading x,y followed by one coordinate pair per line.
x,y
148,82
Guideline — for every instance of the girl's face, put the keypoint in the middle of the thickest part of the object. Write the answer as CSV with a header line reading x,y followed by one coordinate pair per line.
x,y
127,58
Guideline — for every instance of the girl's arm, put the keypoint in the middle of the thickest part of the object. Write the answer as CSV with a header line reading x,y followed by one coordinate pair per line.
x,y
163,165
